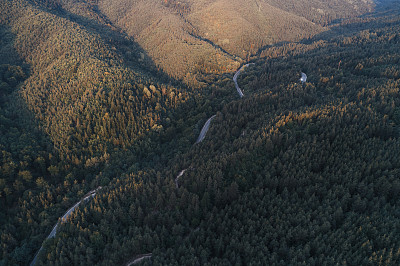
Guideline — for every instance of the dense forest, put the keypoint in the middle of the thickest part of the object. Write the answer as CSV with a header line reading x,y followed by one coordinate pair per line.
x,y
215,36
291,173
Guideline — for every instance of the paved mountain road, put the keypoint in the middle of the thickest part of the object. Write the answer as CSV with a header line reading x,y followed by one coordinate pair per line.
x,y
236,76
53,232
204,130
178,176
139,258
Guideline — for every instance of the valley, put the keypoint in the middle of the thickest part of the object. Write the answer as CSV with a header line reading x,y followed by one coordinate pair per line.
x,y
140,98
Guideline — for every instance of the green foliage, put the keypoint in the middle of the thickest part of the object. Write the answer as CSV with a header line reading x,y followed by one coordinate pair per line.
x,y
289,174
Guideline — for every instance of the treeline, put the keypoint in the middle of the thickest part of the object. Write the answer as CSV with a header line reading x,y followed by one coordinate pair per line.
x,y
290,174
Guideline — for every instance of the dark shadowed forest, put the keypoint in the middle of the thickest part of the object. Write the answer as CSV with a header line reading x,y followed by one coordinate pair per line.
x,y
114,94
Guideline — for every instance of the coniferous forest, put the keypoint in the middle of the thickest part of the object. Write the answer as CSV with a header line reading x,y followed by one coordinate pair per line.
x,y
292,173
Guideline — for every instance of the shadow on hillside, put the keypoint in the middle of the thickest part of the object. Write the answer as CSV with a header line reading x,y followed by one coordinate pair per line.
x,y
133,55
147,151
384,15
8,54
23,143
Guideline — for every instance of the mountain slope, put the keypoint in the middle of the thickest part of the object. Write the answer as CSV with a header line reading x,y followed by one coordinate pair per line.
x,y
80,87
187,37
76,96
242,28
288,174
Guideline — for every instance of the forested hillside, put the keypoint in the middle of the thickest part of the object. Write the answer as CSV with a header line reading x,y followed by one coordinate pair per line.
x,y
187,39
76,96
291,173
191,37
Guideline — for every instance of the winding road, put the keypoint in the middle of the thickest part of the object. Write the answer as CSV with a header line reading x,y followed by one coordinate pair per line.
x,y
92,193
139,258
201,137
204,130
206,126
236,76
178,176
53,232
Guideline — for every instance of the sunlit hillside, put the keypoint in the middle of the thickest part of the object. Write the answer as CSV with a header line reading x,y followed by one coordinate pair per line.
x,y
208,132
188,37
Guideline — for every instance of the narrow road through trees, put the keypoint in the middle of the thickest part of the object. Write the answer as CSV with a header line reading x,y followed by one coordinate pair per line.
x,y
53,232
204,130
178,176
236,76
139,258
